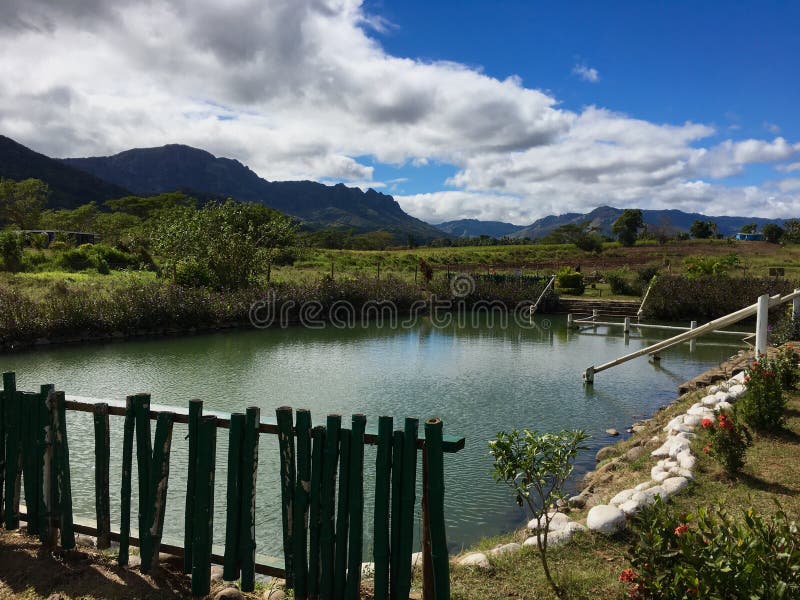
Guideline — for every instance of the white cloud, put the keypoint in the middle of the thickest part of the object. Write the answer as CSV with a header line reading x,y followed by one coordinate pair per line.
x,y
297,89
589,74
791,167
771,127
789,185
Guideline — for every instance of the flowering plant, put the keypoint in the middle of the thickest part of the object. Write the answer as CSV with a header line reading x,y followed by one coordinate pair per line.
x,y
763,405
725,441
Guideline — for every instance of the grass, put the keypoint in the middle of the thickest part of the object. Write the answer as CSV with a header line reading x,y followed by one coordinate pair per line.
x,y
589,566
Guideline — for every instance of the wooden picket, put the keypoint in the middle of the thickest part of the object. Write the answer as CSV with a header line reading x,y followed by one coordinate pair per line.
x,y
322,472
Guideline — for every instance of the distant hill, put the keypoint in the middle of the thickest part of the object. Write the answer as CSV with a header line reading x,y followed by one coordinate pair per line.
x,y
69,187
148,171
475,228
673,220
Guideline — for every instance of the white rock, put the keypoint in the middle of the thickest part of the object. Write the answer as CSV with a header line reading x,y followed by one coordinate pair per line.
x,y
736,391
686,460
723,387
738,378
675,423
605,519
648,496
631,507
663,450
677,448
687,435
709,400
722,396
713,389
558,520
659,475
692,420
505,549
696,410
643,486
679,472
477,560
673,485
725,407
623,496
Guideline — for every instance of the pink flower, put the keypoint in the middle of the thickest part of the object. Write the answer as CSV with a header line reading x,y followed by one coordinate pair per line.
x,y
706,423
681,529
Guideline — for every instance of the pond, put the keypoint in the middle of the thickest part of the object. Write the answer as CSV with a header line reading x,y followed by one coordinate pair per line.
x,y
479,379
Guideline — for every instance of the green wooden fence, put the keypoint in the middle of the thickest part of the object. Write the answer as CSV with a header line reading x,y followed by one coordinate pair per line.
x,y
322,470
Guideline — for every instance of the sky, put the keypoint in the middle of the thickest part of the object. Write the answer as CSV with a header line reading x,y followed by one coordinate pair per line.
x,y
496,110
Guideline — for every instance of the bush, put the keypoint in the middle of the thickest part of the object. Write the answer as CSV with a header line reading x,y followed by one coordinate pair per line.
x,y
764,403
11,251
75,260
192,273
726,442
676,297
786,364
618,279
570,281
114,257
713,555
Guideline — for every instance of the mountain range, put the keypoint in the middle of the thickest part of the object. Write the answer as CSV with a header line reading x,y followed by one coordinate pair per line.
x,y
151,171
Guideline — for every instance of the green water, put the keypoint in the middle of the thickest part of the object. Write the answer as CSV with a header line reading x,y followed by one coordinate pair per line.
x,y
479,380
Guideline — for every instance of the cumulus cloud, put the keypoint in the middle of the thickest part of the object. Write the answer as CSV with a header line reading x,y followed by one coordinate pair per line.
x,y
586,73
299,89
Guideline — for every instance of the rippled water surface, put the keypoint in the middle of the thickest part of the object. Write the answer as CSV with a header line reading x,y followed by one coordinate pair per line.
x,y
479,380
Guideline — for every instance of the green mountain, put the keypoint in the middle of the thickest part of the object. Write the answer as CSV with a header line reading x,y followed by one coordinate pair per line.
x,y
69,187
147,171
672,220
475,228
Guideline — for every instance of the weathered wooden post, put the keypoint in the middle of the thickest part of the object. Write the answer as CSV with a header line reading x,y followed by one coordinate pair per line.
x,y
762,325
125,492
31,476
102,457
356,501
204,507
288,474
144,458
626,327
42,443
383,469
407,502
195,415
159,482
49,533
247,535
315,516
13,450
570,321
301,504
63,483
440,560
397,521
328,506
342,517
233,507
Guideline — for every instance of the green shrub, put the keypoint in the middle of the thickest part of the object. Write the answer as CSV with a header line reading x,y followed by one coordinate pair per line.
x,y
75,260
677,297
58,246
114,257
619,281
763,405
726,442
11,251
713,555
86,247
786,363
37,240
102,266
570,281
192,273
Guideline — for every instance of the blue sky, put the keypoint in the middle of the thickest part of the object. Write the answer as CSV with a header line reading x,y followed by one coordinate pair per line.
x,y
731,64
496,110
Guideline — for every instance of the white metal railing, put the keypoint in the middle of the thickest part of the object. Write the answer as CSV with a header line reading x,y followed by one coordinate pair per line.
x,y
760,309
544,291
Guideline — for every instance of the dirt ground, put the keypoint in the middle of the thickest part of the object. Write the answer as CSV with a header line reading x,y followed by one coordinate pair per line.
x,y
26,571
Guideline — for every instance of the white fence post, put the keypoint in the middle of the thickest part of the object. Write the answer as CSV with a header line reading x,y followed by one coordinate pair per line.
x,y
762,320
796,306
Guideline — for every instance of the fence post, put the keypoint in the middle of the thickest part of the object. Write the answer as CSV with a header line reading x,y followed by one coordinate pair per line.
x,y
144,457
288,473
425,537
159,482
50,532
233,508
342,516
328,506
314,520
796,305
301,504
203,512
125,492
397,496
356,508
762,325
247,536
42,465
29,405
63,482
13,453
383,469
3,408
195,414
102,456
440,560
407,502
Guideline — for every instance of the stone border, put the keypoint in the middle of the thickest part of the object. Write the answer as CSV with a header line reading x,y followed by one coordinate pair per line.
x,y
672,473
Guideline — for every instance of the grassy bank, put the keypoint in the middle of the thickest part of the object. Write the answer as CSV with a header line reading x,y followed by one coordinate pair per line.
x,y
589,566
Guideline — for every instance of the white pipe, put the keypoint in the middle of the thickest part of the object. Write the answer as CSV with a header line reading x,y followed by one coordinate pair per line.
x,y
762,324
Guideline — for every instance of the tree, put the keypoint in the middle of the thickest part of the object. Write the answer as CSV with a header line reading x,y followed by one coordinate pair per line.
x,y
772,232
749,228
536,466
225,245
583,235
146,207
627,226
22,202
77,219
791,231
702,230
